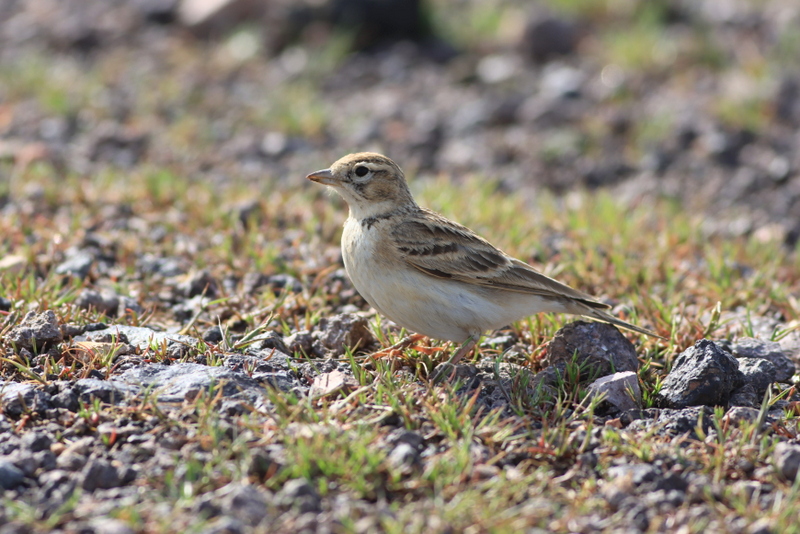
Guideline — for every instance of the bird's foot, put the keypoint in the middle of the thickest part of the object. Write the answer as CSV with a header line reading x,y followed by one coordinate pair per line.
x,y
393,351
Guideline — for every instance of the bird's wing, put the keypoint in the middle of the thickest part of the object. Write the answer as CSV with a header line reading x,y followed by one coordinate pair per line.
x,y
444,249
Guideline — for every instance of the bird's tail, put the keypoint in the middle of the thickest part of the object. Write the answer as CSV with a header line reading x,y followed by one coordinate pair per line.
x,y
606,317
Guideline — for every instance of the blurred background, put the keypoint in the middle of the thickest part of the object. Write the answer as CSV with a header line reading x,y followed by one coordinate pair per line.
x,y
694,101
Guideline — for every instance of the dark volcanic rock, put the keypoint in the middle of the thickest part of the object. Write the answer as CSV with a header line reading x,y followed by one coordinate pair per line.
x,y
745,396
757,372
199,283
270,341
36,332
701,375
600,348
78,263
107,391
247,503
345,330
100,474
17,399
106,302
748,347
547,36
123,147
786,459
300,495
675,422
10,475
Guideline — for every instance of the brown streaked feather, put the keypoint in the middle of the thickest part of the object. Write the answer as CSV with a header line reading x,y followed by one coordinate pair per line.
x,y
439,247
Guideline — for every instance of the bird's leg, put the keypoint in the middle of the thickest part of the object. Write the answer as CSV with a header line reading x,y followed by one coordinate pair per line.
x,y
400,345
465,349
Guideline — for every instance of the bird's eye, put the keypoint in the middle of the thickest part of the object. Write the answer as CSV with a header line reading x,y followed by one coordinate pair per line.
x,y
361,171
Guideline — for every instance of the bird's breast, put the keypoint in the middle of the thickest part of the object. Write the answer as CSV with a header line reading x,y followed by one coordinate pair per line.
x,y
360,255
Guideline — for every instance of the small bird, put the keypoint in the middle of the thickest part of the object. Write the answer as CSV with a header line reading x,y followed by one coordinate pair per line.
x,y
431,275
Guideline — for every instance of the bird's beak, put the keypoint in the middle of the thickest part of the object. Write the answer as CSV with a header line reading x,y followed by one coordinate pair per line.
x,y
325,176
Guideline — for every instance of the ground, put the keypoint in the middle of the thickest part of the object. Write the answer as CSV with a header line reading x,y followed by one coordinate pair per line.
x,y
182,351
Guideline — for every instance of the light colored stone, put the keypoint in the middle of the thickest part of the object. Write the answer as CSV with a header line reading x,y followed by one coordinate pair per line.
x,y
333,382
621,390
12,264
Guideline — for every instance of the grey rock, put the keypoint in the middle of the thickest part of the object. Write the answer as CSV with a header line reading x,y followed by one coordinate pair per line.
x,y
758,372
66,399
15,527
408,437
787,100
105,302
163,267
739,414
245,502
547,36
600,349
9,441
75,456
269,341
562,82
78,263
253,281
51,482
501,342
761,526
11,476
545,382
669,422
214,17
100,474
107,391
118,145
638,474
786,460
108,525
300,342
621,390
261,463
158,11
200,283
184,381
138,336
25,461
37,332
19,398
345,330
36,441
128,306
403,457
263,371
44,460
213,334
226,525
284,282
703,374
300,495
748,347
726,146
745,396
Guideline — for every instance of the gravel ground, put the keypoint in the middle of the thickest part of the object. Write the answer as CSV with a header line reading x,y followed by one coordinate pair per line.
x,y
146,386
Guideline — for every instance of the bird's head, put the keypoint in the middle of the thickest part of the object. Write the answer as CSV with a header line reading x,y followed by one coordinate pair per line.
x,y
370,183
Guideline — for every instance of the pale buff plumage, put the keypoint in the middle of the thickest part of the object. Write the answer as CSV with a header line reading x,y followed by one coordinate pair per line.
x,y
429,274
